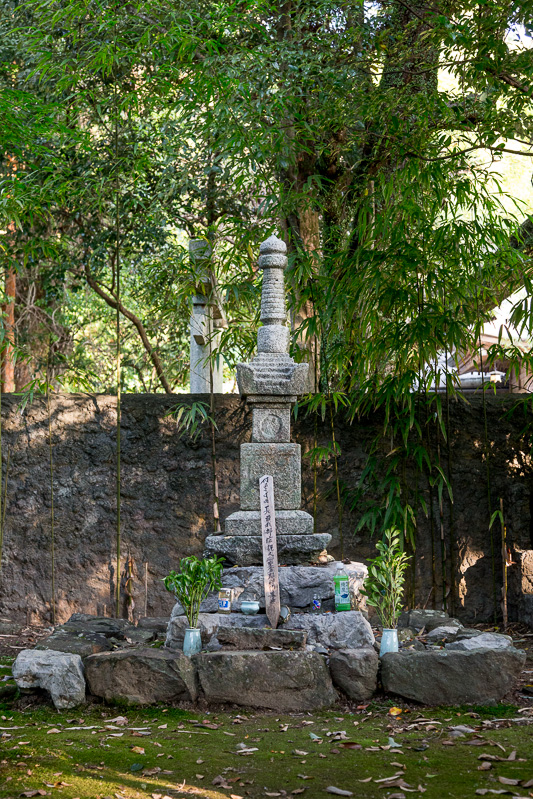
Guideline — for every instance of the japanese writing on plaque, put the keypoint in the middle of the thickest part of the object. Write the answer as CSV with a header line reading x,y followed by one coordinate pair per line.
x,y
270,552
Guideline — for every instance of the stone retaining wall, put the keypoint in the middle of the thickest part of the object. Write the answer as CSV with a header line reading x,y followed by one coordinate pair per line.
x,y
167,501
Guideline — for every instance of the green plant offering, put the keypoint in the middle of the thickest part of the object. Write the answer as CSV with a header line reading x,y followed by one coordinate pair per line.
x,y
383,588
195,579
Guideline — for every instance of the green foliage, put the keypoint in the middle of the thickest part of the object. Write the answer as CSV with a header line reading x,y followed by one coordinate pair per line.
x,y
191,417
195,579
383,587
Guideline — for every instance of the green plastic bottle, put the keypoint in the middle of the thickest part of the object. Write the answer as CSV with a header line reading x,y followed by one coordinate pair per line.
x,y
342,589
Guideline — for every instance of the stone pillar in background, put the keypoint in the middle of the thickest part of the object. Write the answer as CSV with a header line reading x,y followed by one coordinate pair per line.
x,y
271,384
206,318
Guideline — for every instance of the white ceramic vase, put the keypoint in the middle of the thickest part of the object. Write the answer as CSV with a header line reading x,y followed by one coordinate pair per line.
x,y
389,642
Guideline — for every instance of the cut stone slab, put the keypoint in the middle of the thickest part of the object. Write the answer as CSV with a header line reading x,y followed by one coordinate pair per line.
x,y
141,676
283,462
59,673
347,630
298,585
248,550
448,677
483,641
76,644
355,671
256,638
288,522
287,682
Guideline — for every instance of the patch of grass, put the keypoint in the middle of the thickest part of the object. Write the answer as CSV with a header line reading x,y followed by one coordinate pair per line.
x,y
181,755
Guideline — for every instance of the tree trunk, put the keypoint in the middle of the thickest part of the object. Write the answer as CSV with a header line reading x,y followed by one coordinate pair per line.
x,y
8,356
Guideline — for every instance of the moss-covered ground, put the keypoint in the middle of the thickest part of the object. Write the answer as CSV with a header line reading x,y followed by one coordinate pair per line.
x,y
373,751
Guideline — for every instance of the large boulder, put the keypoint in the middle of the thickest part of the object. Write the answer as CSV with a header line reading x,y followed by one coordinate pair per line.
x,y
483,641
345,630
297,585
287,682
451,677
257,638
58,673
355,671
141,676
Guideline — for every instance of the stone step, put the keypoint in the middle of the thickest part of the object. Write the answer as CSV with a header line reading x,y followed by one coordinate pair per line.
x,y
346,630
248,550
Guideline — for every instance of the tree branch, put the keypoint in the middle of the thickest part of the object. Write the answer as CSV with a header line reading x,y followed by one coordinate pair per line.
x,y
112,302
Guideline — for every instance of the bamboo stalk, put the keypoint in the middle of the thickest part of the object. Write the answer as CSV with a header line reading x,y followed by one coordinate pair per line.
x,y
504,566
51,458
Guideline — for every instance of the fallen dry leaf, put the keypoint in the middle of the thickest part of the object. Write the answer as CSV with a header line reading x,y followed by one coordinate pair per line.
x,y
508,781
138,750
220,782
395,711
350,745
53,730
338,791
297,791
485,766
120,721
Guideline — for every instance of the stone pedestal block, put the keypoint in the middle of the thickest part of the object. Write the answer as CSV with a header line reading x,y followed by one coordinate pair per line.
x,y
288,522
283,462
244,550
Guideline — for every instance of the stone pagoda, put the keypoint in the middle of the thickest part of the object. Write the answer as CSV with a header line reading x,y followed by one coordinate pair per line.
x,y
271,383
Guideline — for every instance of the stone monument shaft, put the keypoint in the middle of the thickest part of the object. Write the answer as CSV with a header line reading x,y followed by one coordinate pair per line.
x,y
271,382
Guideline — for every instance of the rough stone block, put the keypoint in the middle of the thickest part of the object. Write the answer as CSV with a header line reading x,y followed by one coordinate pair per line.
x,y
447,677
483,641
283,462
256,638
82,645
355,671
58,673
287,682
297,584
424,618
271,425
288,522
104,625
248,550
346,630
156,624
141,676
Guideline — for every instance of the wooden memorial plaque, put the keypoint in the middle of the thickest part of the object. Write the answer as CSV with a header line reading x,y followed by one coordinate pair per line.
x,y
270,549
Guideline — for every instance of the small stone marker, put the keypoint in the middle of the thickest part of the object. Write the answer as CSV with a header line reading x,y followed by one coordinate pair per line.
x,y
270,550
